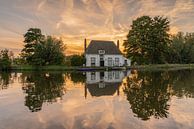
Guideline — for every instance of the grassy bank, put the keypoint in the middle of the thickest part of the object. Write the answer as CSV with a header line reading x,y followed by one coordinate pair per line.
x,y
163,67
138,67
43,68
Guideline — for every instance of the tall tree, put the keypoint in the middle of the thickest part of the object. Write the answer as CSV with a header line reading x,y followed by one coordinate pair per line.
x,y
49,52
32,37
148,39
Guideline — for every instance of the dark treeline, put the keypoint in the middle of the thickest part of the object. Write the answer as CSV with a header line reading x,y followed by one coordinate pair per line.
x,y
181,49
150,42
40,50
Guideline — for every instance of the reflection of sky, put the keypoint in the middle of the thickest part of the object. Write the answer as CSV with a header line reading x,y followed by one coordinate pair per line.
x,y
74,111
74,20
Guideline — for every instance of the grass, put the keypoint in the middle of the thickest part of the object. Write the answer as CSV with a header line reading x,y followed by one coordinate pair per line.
x,y
42,68
163,67
68,68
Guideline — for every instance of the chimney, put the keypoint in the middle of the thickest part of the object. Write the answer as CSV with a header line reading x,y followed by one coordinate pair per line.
x,y
85,45
118,44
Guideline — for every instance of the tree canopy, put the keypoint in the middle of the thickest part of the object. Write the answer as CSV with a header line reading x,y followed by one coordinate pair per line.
x,y
148,40
5,61
182,48
77,60
42,50
31,38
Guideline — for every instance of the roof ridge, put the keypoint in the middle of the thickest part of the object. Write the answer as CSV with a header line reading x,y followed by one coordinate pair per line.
x,y
103,40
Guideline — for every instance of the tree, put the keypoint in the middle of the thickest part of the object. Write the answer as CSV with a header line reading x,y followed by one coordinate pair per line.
x,y
49,52
5,61
41,88
77,60
148,39
41,50
182,48
31,39
148,93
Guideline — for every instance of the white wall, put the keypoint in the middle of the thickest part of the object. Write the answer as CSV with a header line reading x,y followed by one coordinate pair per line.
x,y
88,59
97,57
109,76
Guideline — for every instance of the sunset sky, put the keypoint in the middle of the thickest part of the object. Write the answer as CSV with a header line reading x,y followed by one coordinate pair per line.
x,y
74,20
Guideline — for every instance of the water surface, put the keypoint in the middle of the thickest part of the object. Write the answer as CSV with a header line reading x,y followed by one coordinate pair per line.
x,y
97,100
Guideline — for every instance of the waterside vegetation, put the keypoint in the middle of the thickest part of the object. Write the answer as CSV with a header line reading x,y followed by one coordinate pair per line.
x,y
148,44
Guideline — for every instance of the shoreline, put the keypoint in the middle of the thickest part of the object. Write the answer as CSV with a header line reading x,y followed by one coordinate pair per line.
x,y
153,67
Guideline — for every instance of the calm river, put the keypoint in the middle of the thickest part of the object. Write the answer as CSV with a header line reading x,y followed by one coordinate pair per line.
x,y
97,100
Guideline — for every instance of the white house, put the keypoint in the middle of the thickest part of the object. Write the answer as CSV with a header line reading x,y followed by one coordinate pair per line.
x,y
104,53
104,83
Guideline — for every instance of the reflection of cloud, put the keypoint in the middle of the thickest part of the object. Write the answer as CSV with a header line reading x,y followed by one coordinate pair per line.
x,y
92,19
76,112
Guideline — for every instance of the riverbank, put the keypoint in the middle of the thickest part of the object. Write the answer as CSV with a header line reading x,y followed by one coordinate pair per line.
x,y
138,67
156,67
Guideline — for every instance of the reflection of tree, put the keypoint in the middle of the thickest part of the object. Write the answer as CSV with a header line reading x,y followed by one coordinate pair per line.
x,y
148,93
5,79
78,77
41,87
185,83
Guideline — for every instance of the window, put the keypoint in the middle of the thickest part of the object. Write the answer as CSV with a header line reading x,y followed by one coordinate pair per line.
x,y
101,85
110,74
93,61
117,61
117,75
101,52
109,61
93,76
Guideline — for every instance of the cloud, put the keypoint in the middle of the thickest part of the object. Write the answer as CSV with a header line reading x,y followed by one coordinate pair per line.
x,y
92,19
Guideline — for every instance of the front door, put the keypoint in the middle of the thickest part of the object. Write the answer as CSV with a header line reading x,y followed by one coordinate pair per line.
x,y
102,63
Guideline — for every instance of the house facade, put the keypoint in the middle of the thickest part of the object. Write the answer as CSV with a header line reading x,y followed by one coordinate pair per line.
x,y
105,83
104,53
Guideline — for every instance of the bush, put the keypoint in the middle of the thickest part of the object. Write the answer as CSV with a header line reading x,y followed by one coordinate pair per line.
x,y
77,60
5,61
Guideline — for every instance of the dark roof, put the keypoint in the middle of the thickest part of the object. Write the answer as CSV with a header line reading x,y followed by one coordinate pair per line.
x,y
109,89
108,46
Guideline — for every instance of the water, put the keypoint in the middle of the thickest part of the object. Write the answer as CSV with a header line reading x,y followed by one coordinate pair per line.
x,y
97,100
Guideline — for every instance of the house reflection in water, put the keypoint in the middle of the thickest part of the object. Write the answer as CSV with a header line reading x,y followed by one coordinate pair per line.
x,y
104,83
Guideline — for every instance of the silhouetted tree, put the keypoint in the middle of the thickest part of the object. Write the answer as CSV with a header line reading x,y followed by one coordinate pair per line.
x,y
49,52
147,40
5,61
182,48
32,37
77,60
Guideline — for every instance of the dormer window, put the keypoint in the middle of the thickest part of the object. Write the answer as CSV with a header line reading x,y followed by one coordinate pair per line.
x,y
101,52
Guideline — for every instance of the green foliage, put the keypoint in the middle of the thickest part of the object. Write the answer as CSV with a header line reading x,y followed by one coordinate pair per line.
x,y
41,50
50,52
77,60
78,77
182,48
148,40
5,61
31,39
